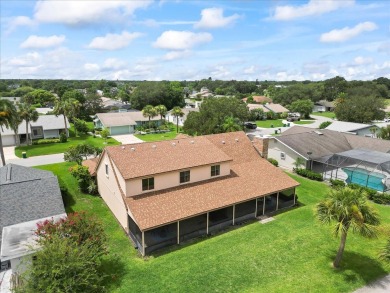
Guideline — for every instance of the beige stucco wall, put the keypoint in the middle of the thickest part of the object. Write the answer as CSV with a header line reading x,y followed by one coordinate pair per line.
x,y
109,191
275,149
20,264
172,179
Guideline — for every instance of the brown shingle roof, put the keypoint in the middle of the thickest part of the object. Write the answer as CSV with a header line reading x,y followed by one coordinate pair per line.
x,y
138,160
250,177
259,99
91,164
277,108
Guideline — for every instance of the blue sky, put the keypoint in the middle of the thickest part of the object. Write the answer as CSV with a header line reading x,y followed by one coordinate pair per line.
x,y
191,40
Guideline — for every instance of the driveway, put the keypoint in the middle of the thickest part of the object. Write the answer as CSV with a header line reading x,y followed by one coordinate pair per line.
x,y
317,122
127,139
9,152
378,286
38,160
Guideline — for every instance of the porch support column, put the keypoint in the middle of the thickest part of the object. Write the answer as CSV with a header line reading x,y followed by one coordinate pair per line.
x,y
234,212
294,196
143,243
207,227
264,204
178,232
256,208
277,201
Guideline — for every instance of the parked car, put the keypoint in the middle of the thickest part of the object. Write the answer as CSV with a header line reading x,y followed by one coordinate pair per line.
x,y
250,125
293,118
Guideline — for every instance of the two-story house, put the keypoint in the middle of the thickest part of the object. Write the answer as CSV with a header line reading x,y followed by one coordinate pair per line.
x,y
163,193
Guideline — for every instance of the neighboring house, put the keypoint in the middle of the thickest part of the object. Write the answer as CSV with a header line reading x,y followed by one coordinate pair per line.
x,y
323,106
163,193
259,99
170,118
122,122
190,103
276,108
311,144
353,128
257,106
14,100
27,196
47,126
111,104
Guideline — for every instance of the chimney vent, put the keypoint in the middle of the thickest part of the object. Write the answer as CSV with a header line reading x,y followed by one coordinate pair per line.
x,y
223,142
132,149
173,143
236,139
154,146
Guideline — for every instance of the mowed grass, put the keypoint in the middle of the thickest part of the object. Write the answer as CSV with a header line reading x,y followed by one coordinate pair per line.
x,y
269,123
325,114
291,254
157,136
303,122
57,148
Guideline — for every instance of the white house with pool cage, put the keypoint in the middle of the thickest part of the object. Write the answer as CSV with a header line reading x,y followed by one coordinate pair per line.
x,y
163,193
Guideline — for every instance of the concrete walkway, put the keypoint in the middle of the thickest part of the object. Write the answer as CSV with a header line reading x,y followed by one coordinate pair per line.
x,y
127,138
378,286
37,161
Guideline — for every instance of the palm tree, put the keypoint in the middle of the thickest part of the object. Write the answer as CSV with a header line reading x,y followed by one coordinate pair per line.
x,y
230,124
68,108
161,110
15,127
177,112
347,208
28,114
149,111
7,115
385,253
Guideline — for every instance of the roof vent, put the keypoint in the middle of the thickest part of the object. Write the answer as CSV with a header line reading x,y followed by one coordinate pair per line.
x,y
154,146
192,141
173,143
123,147
318,132
236,139
132,149
9,170
223,142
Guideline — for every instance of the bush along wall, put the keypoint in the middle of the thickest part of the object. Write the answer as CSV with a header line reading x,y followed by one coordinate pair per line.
x,y
309,174
375,196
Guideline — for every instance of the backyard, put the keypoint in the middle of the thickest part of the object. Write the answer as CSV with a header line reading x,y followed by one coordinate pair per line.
x,y
291,254
157,136
269,123
325,114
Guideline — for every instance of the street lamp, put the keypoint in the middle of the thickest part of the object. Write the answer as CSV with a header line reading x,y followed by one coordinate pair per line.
x,y
310,161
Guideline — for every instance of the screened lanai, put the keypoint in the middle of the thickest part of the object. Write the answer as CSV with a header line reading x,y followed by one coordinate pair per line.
x,y
361,166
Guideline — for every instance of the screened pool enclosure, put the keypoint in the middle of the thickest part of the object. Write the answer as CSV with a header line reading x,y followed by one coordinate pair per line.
x,y
364,167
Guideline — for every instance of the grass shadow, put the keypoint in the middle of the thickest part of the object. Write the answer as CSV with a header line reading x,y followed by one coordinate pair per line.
x,y
356,266
114,269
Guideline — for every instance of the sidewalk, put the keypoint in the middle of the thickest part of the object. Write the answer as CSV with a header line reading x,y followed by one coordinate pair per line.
x,y
378,286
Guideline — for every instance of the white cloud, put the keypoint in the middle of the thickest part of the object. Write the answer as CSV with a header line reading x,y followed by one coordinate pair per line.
x,y
384,48
113,41
344,34
250,70
91,67
181,40
20,21
313,7
363,60
29,59
38,42
114,63
213,18
85,12
173,55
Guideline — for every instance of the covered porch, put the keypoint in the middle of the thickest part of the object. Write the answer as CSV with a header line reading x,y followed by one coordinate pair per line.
x,y
208,223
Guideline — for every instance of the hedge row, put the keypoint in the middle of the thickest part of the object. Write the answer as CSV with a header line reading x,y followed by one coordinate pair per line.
x,y
309,174
46,141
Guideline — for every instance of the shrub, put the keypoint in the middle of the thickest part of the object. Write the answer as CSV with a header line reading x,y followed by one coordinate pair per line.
x,y
46,141
63,137
80,126
309,174
337,183
273,162
375,196
83,177
325,124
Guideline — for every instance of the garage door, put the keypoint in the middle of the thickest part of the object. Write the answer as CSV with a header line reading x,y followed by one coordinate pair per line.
x,y
120,130
8,140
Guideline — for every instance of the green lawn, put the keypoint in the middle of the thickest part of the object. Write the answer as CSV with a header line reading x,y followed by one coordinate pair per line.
x,y
325,114
303,122
270,123
157,136
291,254
57,148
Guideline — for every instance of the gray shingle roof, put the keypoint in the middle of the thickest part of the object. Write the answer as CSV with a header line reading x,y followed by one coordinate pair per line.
x,y
27,194
343,126
304,139
123,118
